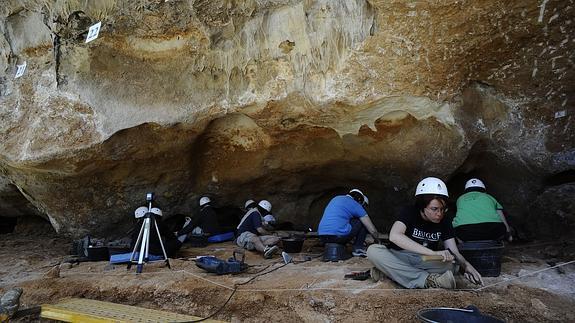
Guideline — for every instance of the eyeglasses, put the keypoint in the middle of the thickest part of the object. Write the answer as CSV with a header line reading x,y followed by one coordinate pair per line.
x,y
438,209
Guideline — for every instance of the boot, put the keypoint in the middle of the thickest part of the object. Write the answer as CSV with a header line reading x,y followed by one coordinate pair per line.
x,y
269,251
445,280
376,274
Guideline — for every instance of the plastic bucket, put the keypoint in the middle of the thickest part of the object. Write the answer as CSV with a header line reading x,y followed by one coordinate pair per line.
x,y
292,245
484,255
335,252
470,314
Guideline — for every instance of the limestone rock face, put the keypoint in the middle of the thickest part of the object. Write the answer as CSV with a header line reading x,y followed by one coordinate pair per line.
x,y
553,211
292,101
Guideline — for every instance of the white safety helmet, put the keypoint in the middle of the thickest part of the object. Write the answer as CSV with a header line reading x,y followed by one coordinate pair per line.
x,y
248,203
365,199
431,185
204,200
141,211
474,182
156,211
266,205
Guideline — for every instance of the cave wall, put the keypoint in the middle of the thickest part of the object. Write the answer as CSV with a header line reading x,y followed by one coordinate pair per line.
x,y
292,101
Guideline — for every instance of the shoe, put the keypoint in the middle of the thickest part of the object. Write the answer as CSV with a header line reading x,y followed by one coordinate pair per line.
x,y
269,251
357,275
445,280
376,274
359,253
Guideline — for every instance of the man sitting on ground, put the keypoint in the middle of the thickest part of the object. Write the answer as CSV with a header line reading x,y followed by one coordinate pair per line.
x,y
252,235
344,219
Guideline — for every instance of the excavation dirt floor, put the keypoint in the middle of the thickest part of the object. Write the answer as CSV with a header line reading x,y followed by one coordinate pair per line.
x,y
530,289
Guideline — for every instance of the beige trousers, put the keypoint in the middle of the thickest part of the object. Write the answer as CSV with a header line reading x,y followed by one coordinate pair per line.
x,y
404,267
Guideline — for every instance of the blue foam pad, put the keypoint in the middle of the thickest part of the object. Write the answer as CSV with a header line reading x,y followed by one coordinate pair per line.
x,y
124,258
221,237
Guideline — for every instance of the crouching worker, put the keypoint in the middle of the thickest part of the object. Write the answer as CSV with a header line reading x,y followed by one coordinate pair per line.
x,y
251,233
345,219
479,215
205,223
416,233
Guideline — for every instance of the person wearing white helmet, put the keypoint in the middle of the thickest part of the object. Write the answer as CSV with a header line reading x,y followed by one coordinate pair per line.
x,y
251,232
250,204
345,219
479,215
206,222
417,232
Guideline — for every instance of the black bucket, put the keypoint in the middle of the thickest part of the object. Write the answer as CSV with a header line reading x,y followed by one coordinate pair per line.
x,y
335,252
470,314
292,245
484,255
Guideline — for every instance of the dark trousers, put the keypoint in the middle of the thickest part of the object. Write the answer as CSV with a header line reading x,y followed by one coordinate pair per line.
x,y
481,231
358,231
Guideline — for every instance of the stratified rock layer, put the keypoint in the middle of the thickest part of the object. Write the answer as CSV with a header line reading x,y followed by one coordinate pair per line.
x,y
293,101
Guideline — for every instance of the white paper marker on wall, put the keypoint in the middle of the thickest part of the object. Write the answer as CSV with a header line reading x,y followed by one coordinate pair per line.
x,y
560,114
20,70
93,32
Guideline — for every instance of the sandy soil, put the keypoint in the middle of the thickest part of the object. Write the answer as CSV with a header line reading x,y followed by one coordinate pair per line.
x,y
311,291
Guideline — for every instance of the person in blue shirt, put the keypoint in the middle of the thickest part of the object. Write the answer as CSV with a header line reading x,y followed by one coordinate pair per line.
x,y
251,233
345,219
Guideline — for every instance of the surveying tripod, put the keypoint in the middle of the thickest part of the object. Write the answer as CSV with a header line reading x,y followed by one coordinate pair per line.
x,y
143,242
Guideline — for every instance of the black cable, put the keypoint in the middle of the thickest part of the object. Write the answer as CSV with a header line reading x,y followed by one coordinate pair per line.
x,y
216,312
259,274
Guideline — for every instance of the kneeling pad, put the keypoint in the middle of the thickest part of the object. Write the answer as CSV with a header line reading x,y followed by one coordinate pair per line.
x,y
124,258
221,237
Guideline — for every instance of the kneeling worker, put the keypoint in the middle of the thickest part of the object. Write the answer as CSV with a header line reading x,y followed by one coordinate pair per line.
x,y
417,232
479,215
205,223
344,219
252,235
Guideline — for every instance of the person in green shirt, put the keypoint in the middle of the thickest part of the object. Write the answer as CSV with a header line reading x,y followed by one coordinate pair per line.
x,y
479,216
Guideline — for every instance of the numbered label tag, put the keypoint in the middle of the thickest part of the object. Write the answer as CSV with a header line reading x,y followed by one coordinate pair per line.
x,y
93,32
20,70
560,114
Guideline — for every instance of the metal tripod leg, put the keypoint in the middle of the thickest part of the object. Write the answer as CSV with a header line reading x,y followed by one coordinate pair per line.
x,y
136,246
162,244
143,256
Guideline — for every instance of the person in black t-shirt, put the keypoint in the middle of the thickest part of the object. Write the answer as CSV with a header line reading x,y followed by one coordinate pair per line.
x,y
417,232
205,223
